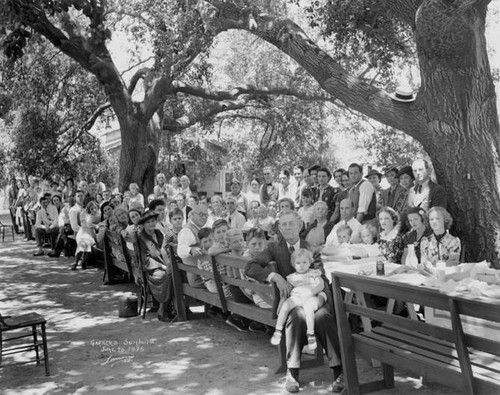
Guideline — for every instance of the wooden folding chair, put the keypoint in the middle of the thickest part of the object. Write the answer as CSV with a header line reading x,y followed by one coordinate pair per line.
x,y
17,323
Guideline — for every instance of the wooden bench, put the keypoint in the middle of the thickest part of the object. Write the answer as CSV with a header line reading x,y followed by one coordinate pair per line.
x,y
247,310
117,266
469,363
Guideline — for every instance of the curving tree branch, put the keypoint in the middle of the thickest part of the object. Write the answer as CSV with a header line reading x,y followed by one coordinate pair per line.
x,y
136,65
179,124
141,73
63,151
180,87
291,39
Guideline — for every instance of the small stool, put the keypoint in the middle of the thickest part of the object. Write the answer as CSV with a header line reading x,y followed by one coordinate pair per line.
x,y
37,324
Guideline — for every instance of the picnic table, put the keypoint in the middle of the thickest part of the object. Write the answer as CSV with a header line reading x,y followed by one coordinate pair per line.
x,y
458,344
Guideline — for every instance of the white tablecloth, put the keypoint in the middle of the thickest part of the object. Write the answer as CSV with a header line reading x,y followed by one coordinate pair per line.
x,y
367,266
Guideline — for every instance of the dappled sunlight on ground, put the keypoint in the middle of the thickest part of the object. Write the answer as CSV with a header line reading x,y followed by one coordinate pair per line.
x,y
93,351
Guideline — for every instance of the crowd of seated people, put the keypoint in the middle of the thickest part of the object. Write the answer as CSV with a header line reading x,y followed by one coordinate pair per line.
x,y
338,212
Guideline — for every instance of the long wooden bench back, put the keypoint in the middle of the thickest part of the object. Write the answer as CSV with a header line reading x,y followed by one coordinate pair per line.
x,y
115,257
234,264
456,306
235,267
182,288
131,247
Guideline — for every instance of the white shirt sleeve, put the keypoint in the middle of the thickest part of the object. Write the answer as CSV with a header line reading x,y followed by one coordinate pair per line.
x,y
366,192
73,219
237,220
186,240
39,223
332,239
54,216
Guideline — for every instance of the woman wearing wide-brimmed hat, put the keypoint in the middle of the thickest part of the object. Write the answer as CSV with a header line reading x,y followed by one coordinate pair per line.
x,y
156,265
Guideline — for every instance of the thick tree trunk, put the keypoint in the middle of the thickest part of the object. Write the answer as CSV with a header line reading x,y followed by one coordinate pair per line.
x,y
462,135
139,152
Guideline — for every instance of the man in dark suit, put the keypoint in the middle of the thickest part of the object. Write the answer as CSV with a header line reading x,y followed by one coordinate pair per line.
x,y
326,331
426,194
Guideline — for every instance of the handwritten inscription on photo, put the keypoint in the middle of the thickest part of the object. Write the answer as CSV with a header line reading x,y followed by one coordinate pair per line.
x,y
121,351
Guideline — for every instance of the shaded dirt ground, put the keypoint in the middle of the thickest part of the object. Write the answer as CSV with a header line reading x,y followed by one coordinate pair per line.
x,y
93,351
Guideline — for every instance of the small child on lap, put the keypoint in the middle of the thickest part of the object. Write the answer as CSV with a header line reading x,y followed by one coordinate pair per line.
x,y
307,292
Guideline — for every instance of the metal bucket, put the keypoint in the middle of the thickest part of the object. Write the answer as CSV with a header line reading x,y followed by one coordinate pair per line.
x,y
128,306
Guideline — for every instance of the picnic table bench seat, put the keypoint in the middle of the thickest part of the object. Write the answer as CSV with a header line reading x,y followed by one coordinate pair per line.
x,y
469,363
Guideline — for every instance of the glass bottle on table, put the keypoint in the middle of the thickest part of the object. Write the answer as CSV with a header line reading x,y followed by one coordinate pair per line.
x,y
411,257
441,270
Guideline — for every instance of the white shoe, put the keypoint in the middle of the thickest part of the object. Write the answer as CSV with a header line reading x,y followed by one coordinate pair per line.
x,y
276,338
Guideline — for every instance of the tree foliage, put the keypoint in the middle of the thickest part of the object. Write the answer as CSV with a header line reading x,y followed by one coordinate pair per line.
x,y
363,33
389,146
50,99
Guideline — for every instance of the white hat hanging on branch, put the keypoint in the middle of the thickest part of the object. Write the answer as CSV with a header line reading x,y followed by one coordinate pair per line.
x,y
403,94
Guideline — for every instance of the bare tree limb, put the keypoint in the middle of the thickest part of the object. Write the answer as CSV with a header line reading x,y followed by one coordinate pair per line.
x,y
179,124
243,116
136,65
363,73
141,73
96,114
204,93
157,89
84,129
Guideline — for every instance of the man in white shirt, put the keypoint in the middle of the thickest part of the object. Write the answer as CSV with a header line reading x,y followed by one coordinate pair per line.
x,y
241,200
235,219
163,186
362,194
45,225
299,173
346,218
180,198
185,189
188,247
285,188
74,212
